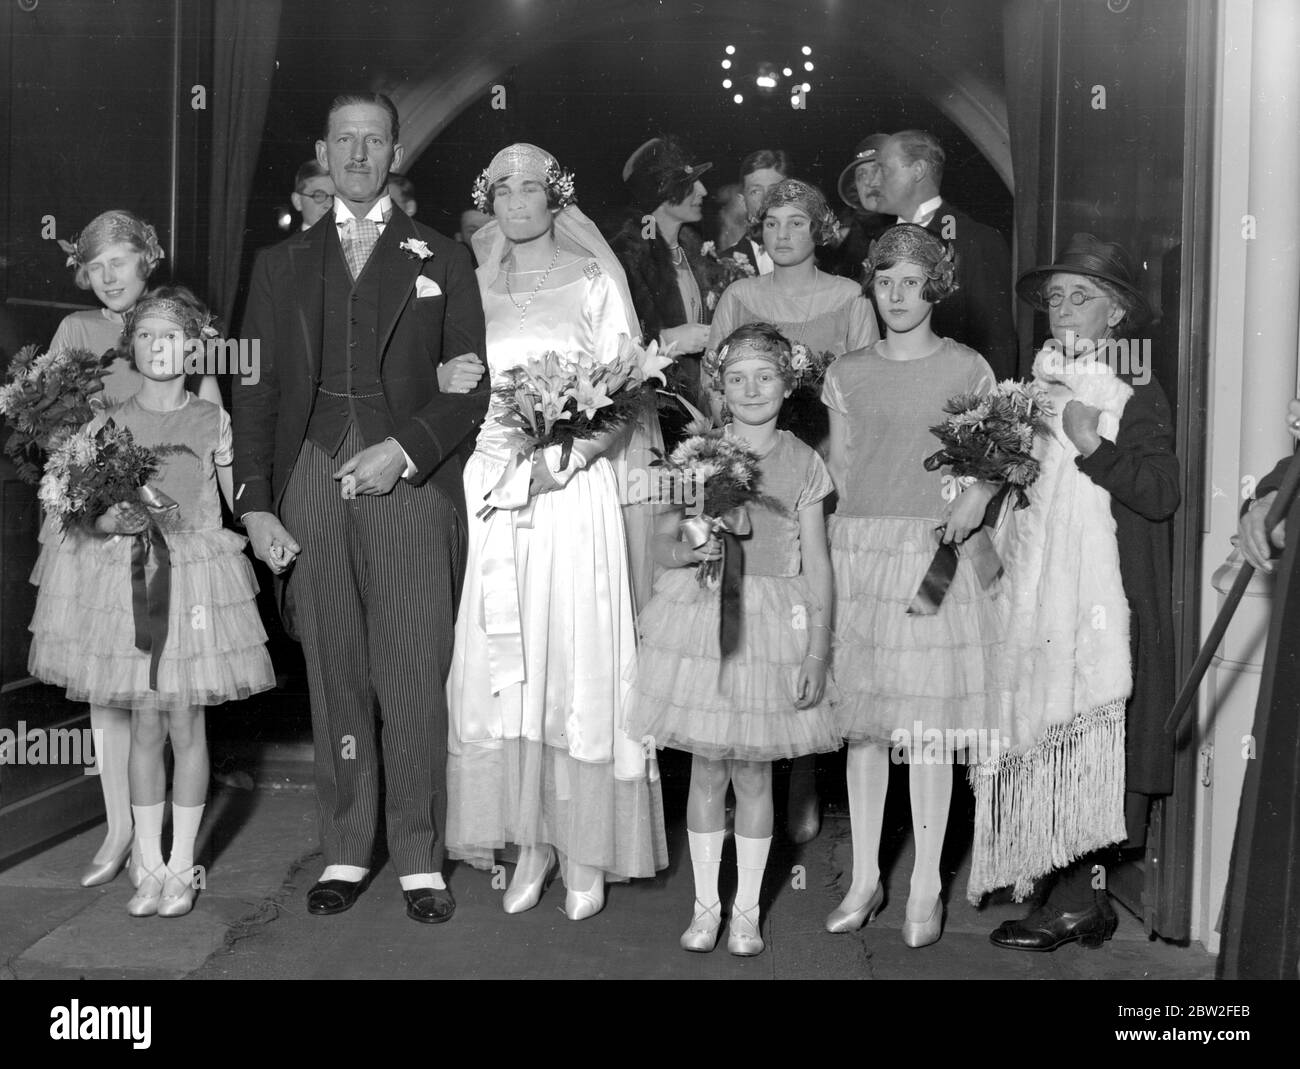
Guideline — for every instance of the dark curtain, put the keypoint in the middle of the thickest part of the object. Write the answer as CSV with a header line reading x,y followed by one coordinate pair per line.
x,y
244,39
1023,23
1261,933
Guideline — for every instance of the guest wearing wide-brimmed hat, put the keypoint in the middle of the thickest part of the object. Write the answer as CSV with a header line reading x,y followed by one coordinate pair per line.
x,y
670,280
665,270
862,220
1087,668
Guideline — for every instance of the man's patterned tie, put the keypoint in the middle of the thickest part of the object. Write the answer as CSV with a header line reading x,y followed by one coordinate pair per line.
x,y
363,234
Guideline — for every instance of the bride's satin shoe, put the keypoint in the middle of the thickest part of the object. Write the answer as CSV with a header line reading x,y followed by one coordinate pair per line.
x,y
850,920
106,872
702,935
579,905
527,885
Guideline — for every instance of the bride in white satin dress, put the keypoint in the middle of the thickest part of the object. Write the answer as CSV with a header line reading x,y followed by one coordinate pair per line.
x,y
545,633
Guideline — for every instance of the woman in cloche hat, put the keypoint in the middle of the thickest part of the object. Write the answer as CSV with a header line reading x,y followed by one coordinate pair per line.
x,y
1086,673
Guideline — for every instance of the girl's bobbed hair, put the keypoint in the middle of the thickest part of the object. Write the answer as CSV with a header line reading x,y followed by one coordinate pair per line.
x,y
909,243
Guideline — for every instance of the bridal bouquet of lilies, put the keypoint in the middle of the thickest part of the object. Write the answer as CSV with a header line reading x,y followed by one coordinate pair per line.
x,y
561,398
44,399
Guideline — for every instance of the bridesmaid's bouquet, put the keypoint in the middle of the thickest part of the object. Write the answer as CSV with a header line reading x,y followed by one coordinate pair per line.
x,y
987,438
44,399
991,437
561,398
91,470
803,413
809,366
722,271
88,473
715,476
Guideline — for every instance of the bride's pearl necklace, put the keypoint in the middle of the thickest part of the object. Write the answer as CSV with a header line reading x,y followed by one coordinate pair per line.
x,y
523,309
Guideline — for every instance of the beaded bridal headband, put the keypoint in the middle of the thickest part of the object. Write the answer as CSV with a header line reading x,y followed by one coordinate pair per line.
x,y
529,161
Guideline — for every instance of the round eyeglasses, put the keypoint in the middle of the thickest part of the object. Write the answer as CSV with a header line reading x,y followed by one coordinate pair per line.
x,y
320,196
1078,298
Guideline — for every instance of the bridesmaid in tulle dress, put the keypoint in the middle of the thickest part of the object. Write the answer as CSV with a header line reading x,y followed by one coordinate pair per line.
x,y
544,633
210,649
113,257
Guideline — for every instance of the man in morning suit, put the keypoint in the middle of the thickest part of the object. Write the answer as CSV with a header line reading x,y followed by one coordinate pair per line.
x,y
979,314
349,485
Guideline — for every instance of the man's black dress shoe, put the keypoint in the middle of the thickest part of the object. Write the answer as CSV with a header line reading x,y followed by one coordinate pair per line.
x,y
333,896
1048,927
429,905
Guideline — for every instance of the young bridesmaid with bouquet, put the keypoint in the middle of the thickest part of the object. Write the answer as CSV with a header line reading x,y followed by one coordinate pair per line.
x,y
743,691
900,666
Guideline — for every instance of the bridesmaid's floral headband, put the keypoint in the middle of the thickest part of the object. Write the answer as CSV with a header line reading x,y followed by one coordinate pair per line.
x,y
760,341
907,242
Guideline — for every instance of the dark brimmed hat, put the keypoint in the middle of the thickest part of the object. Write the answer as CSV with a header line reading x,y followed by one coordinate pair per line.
x,y
657,170
1087,255
868,149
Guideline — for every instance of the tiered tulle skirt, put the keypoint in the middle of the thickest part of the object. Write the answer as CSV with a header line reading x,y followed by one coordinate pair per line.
x,y
545,760
83,629
906,673
687,698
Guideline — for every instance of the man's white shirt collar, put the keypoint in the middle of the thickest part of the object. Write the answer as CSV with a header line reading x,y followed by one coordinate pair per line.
x,y
382,207
924,212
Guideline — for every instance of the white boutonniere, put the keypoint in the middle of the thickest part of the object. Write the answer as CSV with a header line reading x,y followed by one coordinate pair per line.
x,y
709,249
416,247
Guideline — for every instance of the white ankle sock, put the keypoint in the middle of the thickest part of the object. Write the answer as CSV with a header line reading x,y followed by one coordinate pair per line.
x,y
706,860
351,873
422,879
148,833
751,860
185,829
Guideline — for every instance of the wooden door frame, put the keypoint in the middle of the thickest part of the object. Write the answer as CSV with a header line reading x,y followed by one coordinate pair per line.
x,y
1158,888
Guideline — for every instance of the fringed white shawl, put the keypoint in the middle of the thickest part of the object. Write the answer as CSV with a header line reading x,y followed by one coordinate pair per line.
x,y
1063,676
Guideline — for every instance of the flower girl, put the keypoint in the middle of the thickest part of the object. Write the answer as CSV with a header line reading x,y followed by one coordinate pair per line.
x,y
163,623
738,702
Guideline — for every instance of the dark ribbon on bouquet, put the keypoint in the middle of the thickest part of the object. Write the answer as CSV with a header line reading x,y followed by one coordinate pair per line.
x,y
943,565
730,570
733,571
150,602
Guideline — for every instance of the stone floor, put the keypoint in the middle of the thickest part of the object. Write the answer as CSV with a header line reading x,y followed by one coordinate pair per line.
x,y
260,856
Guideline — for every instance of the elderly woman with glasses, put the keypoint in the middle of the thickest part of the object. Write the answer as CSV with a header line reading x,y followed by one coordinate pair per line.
x,y
1087,667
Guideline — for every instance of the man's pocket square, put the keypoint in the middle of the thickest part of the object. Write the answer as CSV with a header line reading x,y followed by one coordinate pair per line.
x,y
426,287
